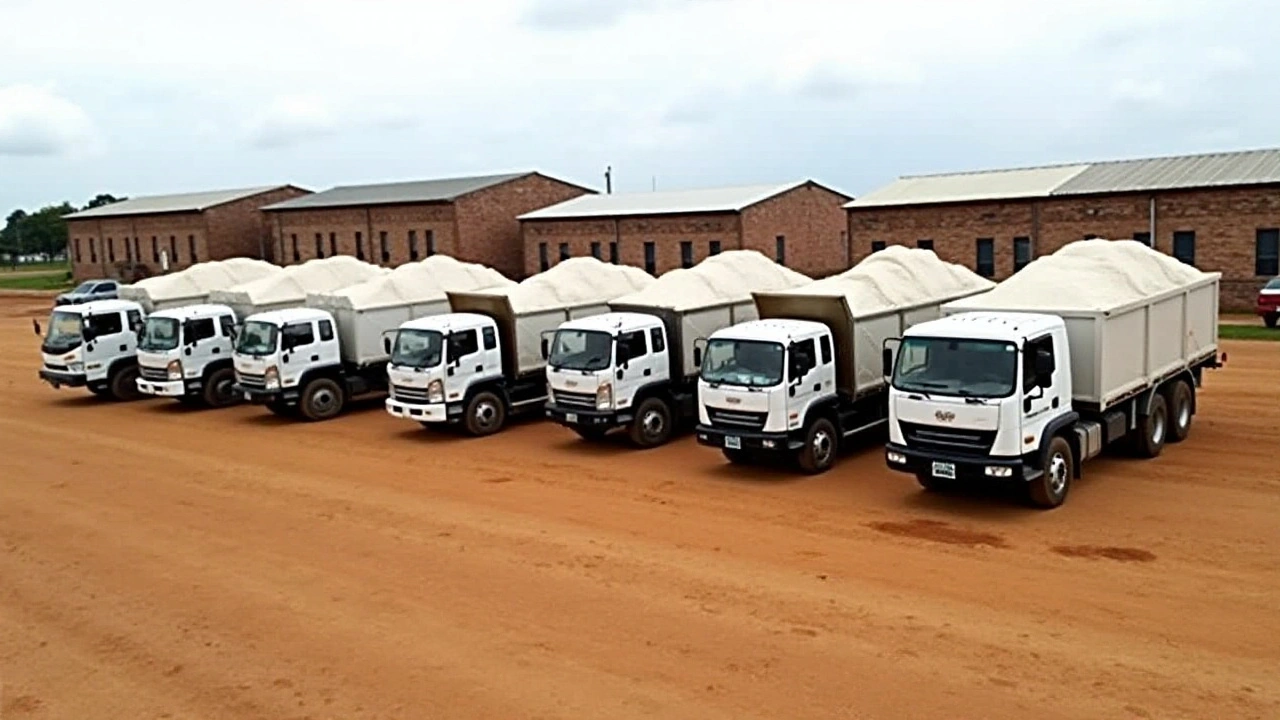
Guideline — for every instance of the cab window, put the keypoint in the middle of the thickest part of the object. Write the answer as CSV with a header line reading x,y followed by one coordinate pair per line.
x,y
462,344
228,325
490,338
326,331
631,346
135,320
298,335
103,325
658,342
1029,361
201,329
803,358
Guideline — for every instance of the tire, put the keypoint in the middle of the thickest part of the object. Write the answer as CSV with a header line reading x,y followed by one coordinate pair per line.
x,y
280,408
1178,399
124,384
486,414
1051,488
933,484
652,426
738,457
218,388
591,434
1153,429
1270,319
322,399
821,444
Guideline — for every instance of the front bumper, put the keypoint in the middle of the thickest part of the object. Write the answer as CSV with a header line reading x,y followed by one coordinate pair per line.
x,y
957,467
743,440
260,396
433,413
1264,310
581,417
162,388
58,378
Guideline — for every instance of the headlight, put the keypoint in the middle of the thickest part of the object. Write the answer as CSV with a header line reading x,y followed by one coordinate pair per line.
x,y
271,378
896,458
604,396
435,392
999,471
175,369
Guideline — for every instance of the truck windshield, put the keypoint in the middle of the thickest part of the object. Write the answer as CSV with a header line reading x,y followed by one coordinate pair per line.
x,y
257,338
161,333
64,332
581,350
968,368
418,348
753,363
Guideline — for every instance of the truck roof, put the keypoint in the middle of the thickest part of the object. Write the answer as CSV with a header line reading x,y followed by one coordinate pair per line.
x,y
613,322
188,312
1007,326
100,306
290,315
771,330
448,322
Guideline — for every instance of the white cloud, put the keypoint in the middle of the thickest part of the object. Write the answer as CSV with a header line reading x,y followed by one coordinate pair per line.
x,y
35,121
289,120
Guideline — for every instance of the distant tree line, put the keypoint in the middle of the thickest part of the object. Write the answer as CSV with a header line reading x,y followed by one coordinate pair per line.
x,y
42,235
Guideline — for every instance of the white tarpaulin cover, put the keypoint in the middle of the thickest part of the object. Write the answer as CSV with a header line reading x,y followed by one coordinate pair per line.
x,y
1089,275
193,284
292,284
729,277
414,283
572,282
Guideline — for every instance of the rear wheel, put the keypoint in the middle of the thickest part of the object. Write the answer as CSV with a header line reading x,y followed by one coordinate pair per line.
x,y
820,444
1153,429
652,426
322,399
1270,319
486,414
1178,398
124,384
1050,489
219,388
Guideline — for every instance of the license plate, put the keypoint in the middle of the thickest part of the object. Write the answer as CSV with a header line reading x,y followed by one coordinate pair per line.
x,y
944,470
248,396
571,417
733,443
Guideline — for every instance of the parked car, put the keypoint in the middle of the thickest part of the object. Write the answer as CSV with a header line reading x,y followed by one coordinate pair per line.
x,y
88,291
1269,302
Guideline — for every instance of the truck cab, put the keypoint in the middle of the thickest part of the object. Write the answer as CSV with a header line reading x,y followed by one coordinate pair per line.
x,y
289,360
769,387
612,370
186,353
94,345
447,369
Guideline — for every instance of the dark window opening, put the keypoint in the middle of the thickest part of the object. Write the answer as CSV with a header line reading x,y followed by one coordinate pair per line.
x,y
155,250
544,263
1267,253
1029,361
656,339
319,245
824,343
137,251
326,331
77,244
564,252
191,246
1021,253
173,249
1143,237
595,249
359,246
300,335
202,329
490,338
1184,246
613,252
650,258
296,255
462,344
228,325
430,237
106,324
631,346
93,250
333,243
877,246
1090,236
384,251
413,244
686,254
985,261
924,244
713,247
780,249
111,249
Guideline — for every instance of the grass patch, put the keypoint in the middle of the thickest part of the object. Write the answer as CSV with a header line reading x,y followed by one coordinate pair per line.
x,y
35,267
35,281
1248,332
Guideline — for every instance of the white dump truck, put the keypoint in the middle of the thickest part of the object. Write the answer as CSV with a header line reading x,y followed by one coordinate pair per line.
x,y
1099,343
336,348
807,375
481,363
636,367
185,349
93,345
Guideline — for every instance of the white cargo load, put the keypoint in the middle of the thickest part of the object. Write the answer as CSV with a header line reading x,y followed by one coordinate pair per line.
x,y
877,299
366,310
1133,314
289,287
192,285
574,288
712,295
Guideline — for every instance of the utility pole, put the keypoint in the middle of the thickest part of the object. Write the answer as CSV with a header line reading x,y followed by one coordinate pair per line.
x,y
608,180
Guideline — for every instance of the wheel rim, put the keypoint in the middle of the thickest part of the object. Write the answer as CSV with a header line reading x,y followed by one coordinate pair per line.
x,y
222,391
652,424
822,447
486,414
323,400
1184,414
1157,428
1057,474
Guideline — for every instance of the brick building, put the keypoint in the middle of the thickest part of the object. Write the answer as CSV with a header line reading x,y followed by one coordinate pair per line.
x,y
799,224
128,239
470,218
1219,212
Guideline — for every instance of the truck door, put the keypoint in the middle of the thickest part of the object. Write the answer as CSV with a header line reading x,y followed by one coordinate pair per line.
x,y
804,386
464,363
298,351
634,366
110,340
199,338
1039,405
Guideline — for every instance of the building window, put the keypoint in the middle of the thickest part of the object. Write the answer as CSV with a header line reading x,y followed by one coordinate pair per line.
x,y
111,250
413,244
1021,252
155,250
877,246
780,249
319,245
296,255
544,263
985,260
359,246
713,247
137,251
924,244
173,249
564,252
613,252
128,251
383,251
595,249
1090,236
686,254
430,237
650,258
93,250
1143,237
191,248
1267,254
333,243
1184,246
77,244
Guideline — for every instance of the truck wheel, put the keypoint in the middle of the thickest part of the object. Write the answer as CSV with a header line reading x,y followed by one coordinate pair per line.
x,y
652,426
218,388
1270,319
1178,400
322,399
280,408
1050,489
124,384
591,434
820,445
486,414
1153,429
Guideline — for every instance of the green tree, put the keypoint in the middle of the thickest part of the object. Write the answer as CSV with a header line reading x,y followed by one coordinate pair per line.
x,y
103,199
43,232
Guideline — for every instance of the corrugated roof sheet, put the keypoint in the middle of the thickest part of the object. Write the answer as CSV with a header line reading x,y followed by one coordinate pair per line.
x,y
1247,167
416,191
666,202
184,202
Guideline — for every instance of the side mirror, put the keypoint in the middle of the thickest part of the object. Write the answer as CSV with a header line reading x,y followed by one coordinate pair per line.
x,y
697,356
546,348
887,362
386,344
35,325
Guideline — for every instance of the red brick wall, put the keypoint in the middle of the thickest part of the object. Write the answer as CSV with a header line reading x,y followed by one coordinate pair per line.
x,y
631,234
344,223
240,228
954,230
812,221
486,219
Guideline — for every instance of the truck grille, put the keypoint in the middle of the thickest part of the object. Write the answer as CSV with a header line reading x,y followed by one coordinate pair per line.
x,y
586,401
151,373
253,381
55,366
736,419
948,440
412,396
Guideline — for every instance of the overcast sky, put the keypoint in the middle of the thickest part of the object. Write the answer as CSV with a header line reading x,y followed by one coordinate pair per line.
x,y
154,96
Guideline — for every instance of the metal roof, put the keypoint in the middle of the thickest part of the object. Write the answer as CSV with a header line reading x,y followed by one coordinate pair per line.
x,y
416,191
666,202
1246,167
184,202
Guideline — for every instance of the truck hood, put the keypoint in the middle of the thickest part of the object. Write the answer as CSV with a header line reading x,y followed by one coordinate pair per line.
x,y
575,381
414,377
947,412
250,365
158,360
733,397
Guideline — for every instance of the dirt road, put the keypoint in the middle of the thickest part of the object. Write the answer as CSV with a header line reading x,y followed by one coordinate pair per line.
x,y
159,562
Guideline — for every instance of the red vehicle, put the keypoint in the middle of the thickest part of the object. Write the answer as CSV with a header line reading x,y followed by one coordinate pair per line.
x,y
1269,302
